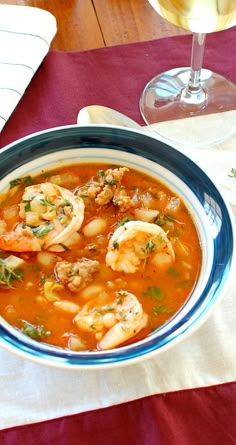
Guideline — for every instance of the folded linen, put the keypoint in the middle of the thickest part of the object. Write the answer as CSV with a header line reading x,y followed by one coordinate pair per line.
x,y
219,160
26,34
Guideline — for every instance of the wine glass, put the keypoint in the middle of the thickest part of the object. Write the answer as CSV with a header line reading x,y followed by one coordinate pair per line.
x,y
200,104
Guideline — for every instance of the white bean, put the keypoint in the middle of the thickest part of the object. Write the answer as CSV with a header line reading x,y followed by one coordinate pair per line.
x,y
109,320
94,227
47,259
14,262
67,180
42,301
29,284
146,215
75,238
91,291
10,312
67,306
76,344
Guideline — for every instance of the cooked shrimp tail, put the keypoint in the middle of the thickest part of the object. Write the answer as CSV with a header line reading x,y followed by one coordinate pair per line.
x,y
136,241
48,216
19,240
131,320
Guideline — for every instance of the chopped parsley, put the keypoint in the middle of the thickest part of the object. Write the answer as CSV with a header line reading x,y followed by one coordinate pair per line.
x,y
7,275
109,309
42,279
46,202
65,202
115,245
161,309
115,202
103,175
92,327
112,182
173,272
26,180
150,246
122,315
124,220
163,218
233,173
27,205
184,284
153,292
35,332
41,231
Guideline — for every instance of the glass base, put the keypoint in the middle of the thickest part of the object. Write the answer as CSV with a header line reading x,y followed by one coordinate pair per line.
x,y
185,125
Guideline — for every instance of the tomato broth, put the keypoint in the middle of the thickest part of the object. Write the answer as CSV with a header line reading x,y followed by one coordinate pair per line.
x,y
101,265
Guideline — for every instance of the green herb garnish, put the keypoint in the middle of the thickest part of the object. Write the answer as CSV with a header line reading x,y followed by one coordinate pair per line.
x,y
164,218
42,279
26,180
150,246
115,245
173,272
112,182
41,231
46,202
124,220
161,309
7,275
101,173
233,173
27,206
34,332
184,284
153,292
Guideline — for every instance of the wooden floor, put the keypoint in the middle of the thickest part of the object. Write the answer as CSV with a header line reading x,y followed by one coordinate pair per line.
x,y
89,24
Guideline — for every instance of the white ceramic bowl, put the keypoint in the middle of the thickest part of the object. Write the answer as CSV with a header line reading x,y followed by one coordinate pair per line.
x,y
212,217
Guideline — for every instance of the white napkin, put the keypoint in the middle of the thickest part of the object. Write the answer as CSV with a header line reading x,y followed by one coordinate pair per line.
x,y
25,37
217,161
31,392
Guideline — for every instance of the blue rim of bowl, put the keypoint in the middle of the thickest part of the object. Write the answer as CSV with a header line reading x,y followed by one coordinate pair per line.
x,y
210,198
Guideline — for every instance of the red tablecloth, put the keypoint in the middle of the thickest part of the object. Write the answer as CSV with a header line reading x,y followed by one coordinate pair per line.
x,y
193,417
115,77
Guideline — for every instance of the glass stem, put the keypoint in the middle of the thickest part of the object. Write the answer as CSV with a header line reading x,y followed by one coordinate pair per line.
x,y
193,96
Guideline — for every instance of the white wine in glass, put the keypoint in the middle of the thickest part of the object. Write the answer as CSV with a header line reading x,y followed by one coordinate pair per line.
x,y
184,93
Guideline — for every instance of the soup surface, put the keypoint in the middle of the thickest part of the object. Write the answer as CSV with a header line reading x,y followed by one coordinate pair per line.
x,y
93,257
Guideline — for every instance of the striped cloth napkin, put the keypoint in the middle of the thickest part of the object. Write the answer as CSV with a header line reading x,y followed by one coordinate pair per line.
x,y
25,37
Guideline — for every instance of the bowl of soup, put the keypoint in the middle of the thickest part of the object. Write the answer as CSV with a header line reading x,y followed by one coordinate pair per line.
x,y
113,246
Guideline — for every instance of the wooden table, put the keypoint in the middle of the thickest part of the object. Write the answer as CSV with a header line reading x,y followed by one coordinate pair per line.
x,y
89,24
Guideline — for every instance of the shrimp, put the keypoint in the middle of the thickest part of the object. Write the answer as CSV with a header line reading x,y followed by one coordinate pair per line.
x,y
48,214
136,241
115,323
131,320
